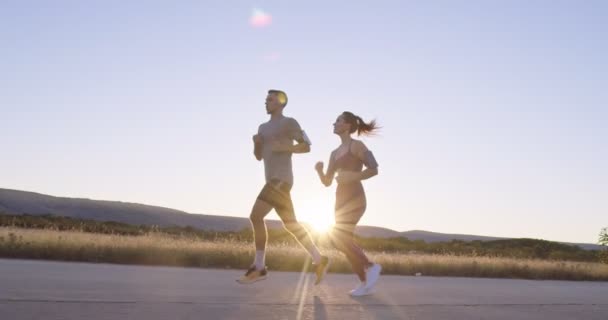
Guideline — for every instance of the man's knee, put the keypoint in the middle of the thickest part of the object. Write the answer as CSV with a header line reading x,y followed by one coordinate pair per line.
x,y
259,211
255,217
294,227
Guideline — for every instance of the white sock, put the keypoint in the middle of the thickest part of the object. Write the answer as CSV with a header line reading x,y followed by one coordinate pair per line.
x,y
260,259
316,256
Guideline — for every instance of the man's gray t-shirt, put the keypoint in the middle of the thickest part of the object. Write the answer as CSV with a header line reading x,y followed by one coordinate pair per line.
x,y
277,165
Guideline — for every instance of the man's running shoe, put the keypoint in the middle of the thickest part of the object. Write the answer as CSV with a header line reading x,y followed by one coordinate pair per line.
x,y
252,275
321,269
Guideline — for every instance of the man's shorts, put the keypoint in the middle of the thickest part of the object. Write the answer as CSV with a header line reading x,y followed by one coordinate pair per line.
x,y
277,194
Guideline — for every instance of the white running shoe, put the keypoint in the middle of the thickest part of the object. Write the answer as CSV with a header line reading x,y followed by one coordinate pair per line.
x,y
360,290
361,284
371,276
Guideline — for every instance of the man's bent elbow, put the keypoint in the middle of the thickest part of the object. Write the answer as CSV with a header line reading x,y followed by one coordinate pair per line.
x,y
373,172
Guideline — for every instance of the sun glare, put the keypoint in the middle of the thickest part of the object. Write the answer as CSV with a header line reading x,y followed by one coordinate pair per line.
x,y
321,225
318,215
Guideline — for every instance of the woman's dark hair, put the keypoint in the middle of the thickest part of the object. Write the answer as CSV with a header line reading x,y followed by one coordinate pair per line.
x,y
357,124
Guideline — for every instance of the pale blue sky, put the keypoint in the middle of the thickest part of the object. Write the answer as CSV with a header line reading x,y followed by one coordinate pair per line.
x,y
494,113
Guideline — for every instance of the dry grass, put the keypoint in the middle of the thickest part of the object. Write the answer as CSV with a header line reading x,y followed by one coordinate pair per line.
x,y
161,249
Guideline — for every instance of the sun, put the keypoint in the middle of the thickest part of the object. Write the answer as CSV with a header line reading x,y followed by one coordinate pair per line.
x,y
319,215
321,224
315,208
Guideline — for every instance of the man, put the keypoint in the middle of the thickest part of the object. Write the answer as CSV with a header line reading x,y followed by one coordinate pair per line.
x,y
274,144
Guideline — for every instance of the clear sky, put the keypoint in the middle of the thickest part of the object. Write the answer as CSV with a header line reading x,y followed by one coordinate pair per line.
x,y
494,113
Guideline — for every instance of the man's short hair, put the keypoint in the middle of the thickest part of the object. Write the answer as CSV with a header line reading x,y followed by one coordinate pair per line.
x,y
281,95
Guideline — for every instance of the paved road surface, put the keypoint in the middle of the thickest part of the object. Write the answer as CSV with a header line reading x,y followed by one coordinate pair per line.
x,y
55,290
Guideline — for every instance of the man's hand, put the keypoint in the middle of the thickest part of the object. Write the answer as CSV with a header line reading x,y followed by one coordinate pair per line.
x,y
257,139
348,176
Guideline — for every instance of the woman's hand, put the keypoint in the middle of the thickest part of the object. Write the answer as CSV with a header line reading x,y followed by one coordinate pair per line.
x,y
348,176
319,166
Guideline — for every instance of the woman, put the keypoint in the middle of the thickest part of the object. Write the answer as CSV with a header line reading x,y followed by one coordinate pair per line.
x,y
348,161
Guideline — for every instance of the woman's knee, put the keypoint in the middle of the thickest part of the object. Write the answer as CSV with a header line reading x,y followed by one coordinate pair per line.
x,y
338,241
343,231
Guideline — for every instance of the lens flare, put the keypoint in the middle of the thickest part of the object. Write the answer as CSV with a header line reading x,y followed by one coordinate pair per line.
x,y
260,19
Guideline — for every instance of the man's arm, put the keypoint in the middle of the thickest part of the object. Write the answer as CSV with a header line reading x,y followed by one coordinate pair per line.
x,y
257,145
295,133
301,147
257,148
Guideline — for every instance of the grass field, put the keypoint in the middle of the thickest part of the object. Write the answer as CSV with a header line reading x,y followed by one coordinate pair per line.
x,y
167,250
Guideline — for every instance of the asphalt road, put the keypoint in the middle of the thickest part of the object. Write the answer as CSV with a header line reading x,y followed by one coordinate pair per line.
x,y
56,290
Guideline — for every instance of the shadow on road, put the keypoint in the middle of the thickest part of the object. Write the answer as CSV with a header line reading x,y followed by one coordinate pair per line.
x,y
381,306
320,313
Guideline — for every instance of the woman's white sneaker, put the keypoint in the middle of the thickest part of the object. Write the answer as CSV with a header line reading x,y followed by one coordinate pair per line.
x,y
360,290
361,284
372,274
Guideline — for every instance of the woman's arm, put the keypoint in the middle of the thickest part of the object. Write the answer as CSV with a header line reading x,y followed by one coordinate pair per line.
x,y
371,166
368,159
328,177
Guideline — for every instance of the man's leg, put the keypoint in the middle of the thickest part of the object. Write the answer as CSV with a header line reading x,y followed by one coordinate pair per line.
x,y
260,209
260,235
288,217
287,214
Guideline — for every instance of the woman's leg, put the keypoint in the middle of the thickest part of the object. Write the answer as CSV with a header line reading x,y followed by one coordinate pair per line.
x,y
342,238
348,214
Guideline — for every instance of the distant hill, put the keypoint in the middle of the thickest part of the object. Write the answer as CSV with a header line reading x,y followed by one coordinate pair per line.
x,y
428,236
17,202
22,202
